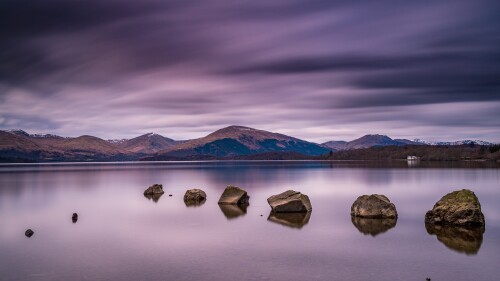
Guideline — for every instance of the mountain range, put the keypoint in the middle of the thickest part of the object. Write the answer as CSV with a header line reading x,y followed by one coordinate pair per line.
x,y
233,142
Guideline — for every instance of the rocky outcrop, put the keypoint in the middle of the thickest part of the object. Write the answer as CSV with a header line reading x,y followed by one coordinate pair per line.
x,y
293,220
234,195
154,189
465,240
290,201
459,208
29,233
373,206
373,227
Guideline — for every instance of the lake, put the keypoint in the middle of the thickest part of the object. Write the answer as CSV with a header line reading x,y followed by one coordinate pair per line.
x,y
122,235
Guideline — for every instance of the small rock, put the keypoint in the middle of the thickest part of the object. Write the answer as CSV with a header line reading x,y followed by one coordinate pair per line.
x,y
197,195
373,206
154,189
234,195
459,207
74,218
29,233
290,201
170,195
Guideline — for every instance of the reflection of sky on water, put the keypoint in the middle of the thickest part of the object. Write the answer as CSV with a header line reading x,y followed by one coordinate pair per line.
x,y
120,235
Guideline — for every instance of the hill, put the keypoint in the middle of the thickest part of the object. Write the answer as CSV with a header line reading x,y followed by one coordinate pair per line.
x,y
237,141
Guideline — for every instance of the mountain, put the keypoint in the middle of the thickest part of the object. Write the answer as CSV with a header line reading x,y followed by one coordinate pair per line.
x,y
21,146
462,142
237,141
146,144
372,140
335,145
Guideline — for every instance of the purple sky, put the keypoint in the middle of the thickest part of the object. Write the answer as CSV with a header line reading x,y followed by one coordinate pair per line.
x,y
317,70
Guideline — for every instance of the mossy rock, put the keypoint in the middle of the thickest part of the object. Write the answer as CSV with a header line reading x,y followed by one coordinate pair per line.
x,y
459,207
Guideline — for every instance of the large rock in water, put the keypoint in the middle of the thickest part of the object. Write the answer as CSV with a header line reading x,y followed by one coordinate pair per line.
x,y
234,195
459,207
290,201
373,206
154,189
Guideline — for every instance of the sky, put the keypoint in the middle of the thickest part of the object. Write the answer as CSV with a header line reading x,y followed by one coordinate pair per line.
x,y
317,70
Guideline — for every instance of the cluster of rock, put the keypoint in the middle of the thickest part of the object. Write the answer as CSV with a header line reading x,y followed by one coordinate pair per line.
x,y
458,208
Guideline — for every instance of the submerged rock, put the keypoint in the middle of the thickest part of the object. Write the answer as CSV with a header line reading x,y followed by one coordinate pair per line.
x,y
373,206
196,195
29,233
74,217
373,226
293,220
154,197
465,240
234,195
459,207
233,211
154,189
290,201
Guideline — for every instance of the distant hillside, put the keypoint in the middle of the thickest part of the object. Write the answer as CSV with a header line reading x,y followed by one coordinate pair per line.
x,y
382,140
233,142
237,141
335,145
146,144
366,141
424,152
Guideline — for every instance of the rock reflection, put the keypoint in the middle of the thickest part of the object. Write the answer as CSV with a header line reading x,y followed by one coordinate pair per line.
x,y
293,220
233,211
460,239
373,227
154,197
194,203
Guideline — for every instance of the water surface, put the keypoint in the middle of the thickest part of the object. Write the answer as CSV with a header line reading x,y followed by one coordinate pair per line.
x,y
123,235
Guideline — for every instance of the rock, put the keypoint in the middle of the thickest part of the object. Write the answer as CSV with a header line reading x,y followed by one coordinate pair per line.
x,y
373,227
29,233
373,206
154,197
290,201
459,207
74,218
195,195
233,211
465,240
233,195
154,189
170,195
293,220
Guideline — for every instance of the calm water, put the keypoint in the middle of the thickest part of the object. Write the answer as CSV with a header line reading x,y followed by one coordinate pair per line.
x,y
121,235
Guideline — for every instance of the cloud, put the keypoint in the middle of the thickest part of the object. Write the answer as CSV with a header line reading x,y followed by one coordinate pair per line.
x,y
319,70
